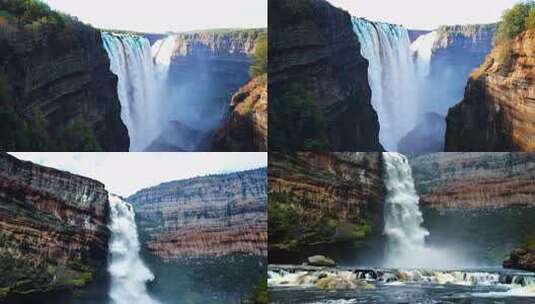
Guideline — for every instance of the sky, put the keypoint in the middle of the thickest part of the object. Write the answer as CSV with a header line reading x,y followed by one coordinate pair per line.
x,y
126,173
427,14
159,16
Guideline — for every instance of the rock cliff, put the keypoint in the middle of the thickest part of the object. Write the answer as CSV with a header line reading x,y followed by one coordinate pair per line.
x,y
204,217
474,180
521,258
53,232
315,63
64,74
246,129
323,198
497,111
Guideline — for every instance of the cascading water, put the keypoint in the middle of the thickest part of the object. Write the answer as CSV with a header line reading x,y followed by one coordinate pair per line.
x,y
422,49
403,222
392,76
128,272
138,87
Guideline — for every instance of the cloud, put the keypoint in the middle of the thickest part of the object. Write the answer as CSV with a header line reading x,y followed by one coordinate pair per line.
x,y
126,173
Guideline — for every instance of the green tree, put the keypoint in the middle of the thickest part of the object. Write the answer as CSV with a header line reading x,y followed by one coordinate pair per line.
x,y
260,57
78,136
516,20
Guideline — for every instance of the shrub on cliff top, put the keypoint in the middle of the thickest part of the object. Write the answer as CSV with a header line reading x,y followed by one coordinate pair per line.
x,y
260,57
515,20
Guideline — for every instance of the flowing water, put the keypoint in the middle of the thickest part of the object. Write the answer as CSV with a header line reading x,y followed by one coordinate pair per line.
x,y
138,87
129,275
393,77
413,271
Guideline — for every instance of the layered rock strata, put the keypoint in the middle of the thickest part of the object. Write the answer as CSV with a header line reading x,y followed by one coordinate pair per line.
x,y
497,111
324,198
53,232
204,217
312,47
67,80
474,180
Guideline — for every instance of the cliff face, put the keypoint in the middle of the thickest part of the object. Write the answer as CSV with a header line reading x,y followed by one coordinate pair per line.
x,y
497,111
323,198
474,180
312,47
246,129
66,76
205,216
53,228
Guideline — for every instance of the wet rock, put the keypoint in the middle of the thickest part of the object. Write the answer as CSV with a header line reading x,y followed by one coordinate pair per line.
x,y
320,260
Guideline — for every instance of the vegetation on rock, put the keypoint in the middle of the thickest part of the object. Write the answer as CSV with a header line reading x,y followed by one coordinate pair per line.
x,y
299,123
260,56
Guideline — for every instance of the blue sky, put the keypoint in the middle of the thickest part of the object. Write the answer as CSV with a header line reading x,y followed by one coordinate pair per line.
x,y
125,173
427,14
166,15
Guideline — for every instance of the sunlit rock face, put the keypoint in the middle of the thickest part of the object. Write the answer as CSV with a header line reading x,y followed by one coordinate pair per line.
x,y
246,129
474,180
205,217
67,82
312,44
53,227
497,113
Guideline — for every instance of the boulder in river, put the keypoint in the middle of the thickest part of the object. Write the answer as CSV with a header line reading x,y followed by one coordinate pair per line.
x,y
320,260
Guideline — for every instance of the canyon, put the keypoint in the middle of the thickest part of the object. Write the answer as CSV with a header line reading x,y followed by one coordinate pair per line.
x,y
315,63
472,181
53,232
325,199
204,217
496,112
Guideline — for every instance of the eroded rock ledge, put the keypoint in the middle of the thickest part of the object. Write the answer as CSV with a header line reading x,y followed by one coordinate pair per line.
x,y
53,232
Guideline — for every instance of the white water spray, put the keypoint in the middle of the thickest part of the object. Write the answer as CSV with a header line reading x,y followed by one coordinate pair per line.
x,y
405,234
129,274
422,48
138,90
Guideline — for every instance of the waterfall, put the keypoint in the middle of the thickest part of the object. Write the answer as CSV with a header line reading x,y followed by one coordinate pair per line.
x,y
128,272
422,48
138,88
392,76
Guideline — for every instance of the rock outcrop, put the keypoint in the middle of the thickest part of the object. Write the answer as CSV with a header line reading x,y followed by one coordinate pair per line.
x,y
312,47
497,111
53,232
323,198
522,258
246,129
204,217
65,75
474,180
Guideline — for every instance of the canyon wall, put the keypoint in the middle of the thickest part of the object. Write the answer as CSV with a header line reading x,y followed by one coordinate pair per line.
x,y
64,75
246,128
53,228
323,199
497,110
474,180
204,217
319,94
